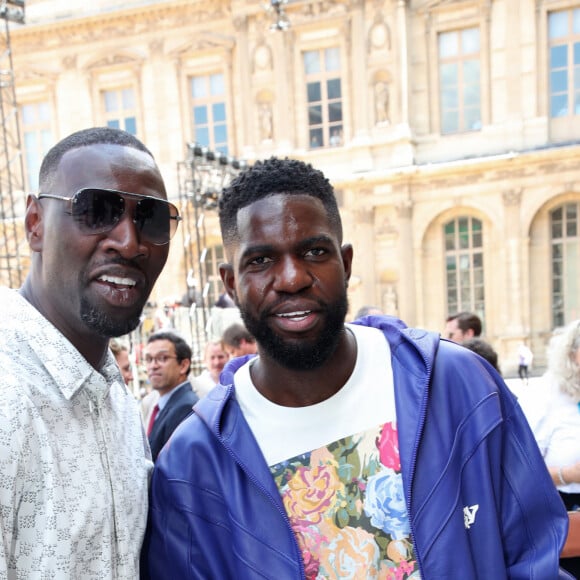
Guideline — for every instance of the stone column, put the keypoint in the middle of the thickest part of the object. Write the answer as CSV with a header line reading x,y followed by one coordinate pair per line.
x,y
406,296
516,292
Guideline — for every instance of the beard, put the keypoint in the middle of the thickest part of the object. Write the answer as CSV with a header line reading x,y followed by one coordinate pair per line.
x,y
301,354
106,325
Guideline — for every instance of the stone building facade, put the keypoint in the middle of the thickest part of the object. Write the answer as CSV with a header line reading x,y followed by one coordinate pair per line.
x,y
449,128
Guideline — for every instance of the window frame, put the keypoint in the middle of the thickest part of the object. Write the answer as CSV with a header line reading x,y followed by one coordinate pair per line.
x,y
210,102
474,14
327,127
566,278
566,127
475,305
121,117
459,61
37,128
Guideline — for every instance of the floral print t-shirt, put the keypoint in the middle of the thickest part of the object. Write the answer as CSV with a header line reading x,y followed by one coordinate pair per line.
x,y
347,509
337,467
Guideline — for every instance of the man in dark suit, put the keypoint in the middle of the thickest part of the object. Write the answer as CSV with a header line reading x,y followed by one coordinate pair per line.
x,y
168,360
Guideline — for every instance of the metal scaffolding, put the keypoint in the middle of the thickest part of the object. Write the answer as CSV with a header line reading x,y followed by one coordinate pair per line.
x,y
201,178
14,256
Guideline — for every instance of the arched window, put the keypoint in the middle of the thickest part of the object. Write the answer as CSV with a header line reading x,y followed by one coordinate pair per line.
x,y
565,263
464,265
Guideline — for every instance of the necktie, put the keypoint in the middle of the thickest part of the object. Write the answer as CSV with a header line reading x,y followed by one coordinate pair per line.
x,y
152,420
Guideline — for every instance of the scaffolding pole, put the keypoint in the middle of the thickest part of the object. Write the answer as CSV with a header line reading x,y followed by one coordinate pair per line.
x,y
14,254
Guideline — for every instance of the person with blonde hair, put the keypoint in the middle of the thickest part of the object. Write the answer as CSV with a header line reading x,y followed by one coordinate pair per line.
x,y
553,411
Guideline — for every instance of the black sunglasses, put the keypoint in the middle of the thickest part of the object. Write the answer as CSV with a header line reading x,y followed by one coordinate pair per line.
x,y
97,211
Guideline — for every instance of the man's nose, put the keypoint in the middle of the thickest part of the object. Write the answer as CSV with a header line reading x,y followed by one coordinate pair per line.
x,y
125,237
291,275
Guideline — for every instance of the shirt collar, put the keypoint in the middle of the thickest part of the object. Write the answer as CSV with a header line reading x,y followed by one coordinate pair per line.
x,y
64,363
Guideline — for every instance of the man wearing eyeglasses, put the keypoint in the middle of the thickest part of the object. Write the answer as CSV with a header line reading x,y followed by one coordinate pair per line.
x,y
168,361
74,460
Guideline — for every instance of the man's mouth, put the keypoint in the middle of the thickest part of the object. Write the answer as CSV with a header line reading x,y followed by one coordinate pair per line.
x,y
299,314
117,280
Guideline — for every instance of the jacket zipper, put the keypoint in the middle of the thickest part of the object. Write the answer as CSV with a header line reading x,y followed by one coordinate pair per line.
x,y
259,485
413,463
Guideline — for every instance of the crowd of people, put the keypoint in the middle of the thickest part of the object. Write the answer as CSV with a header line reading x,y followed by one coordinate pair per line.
x,y
309,446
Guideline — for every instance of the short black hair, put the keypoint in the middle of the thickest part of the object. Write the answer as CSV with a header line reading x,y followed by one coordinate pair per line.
x,y
483,349
182,349
235,333
270,177
83,138
466,321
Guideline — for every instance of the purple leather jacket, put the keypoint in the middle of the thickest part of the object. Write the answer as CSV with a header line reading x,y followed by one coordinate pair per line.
x,y
463,441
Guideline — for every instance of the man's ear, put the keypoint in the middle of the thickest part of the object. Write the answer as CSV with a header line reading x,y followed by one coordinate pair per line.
x,y
229,280
33,223
346,253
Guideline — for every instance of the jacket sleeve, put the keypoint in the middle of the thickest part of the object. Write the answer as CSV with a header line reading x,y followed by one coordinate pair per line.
x,y
535,522
482,499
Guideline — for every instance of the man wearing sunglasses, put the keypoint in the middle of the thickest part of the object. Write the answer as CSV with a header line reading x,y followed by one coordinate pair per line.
x,y
74,460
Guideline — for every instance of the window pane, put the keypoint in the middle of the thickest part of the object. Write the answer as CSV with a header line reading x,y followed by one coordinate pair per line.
x,y
449,74
470,40
333,89
449,99
200,116
332,59
558,106
45,139
28,113
558,56
43,112
473,119
219,112
335,136
128,96
198,87
315,138
471,74
558,81
311,62
335,112
113,123
111,103
315,115
202,136
314,92
450,122
217,84
131,125
448,44
220,134
558,24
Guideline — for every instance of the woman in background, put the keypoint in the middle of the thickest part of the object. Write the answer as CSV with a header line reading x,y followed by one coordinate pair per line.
x,y
553,411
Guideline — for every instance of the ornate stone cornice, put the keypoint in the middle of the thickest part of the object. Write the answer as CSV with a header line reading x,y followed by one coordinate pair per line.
x,y
117,24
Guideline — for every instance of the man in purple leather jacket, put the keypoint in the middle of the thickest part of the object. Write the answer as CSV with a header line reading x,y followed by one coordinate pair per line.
x,y
365,450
